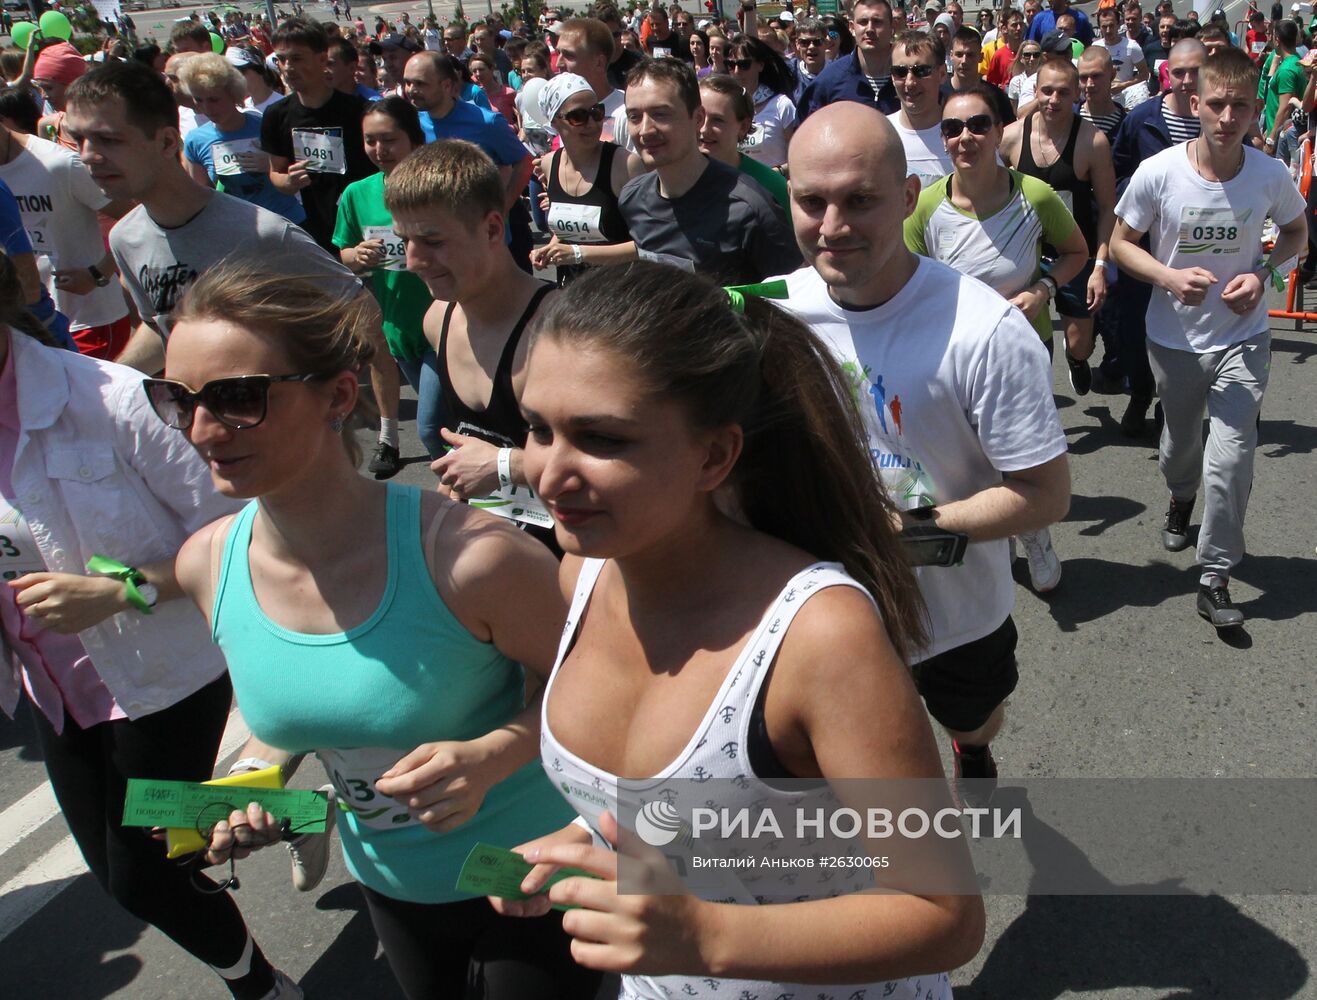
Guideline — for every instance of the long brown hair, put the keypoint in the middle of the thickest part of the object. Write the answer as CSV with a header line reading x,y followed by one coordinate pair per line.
x,y
13,310
320,333
805,474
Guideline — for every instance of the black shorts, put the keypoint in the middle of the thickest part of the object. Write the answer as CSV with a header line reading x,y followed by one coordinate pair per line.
x,y
1072,297
963,686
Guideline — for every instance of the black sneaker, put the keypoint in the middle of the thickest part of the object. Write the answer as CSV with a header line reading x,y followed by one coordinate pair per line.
x,y
1175,532
1135,421
386,462
1106,385
975,776
1215,605
1081,376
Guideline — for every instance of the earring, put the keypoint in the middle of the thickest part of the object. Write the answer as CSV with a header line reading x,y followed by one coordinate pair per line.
x,y
336,423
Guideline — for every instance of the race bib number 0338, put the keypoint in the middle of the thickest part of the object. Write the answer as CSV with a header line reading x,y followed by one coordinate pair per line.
x,y
1215,231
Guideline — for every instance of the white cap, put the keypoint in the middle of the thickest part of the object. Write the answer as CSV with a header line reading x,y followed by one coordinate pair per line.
x,y
239,57
559,90
786,15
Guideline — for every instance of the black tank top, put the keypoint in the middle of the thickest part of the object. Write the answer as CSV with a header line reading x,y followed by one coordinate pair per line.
x,y
1061,175
500,422
612,227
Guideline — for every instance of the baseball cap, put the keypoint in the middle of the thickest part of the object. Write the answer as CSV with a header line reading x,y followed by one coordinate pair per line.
x,y
239,57
1056,42
394,41
786,15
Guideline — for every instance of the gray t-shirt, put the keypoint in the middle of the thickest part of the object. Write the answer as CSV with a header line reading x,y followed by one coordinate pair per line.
x,y
727,227
158,264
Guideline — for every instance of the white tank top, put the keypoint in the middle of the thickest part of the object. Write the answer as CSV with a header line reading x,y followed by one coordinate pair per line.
x,y
718,749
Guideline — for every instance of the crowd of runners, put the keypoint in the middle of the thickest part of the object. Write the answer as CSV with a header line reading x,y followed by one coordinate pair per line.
x,y
735,495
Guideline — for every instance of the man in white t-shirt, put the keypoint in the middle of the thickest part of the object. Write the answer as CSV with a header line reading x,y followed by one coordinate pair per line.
x,y
918,70
585,45
1131,86
956,392
1203,204
58,201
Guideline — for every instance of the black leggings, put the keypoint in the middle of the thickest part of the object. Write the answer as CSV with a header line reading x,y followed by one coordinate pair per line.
x,y
466,951
89,771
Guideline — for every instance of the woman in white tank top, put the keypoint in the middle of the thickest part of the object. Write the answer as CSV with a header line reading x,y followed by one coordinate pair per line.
x,y
656,411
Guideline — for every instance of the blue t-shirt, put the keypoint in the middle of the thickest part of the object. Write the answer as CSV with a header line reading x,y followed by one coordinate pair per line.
x,y
255,188
474,95
366,94
1045,21
15,241
486,129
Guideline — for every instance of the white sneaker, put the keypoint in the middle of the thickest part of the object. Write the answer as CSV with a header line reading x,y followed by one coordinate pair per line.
x,y
1044,566
310,853
284,988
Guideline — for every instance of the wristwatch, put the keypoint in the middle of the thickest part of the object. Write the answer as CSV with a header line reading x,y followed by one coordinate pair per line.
x,y
101,279
1049,283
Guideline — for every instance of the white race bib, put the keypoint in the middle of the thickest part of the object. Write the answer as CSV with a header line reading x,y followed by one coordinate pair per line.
x,y
661,53
754,140
322,149
18,549
395,251
354,773
575,223
1212,231
228,157
516,502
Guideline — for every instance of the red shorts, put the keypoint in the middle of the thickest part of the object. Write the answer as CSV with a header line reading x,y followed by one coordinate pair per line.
x,y
104,342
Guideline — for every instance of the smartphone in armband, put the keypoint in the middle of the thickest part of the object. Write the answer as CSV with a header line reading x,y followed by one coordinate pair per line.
x,y
933,546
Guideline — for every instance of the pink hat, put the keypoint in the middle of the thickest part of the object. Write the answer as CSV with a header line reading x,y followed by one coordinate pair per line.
x,y
60,62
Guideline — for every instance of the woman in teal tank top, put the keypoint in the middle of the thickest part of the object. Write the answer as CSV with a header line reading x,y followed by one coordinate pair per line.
x,y
382,628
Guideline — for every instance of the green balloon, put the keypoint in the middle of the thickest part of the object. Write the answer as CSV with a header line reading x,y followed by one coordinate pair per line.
x,y
216,42
55,25
22,32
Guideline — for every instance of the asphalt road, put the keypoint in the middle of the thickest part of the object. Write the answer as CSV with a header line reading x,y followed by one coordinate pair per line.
x,y
1119,678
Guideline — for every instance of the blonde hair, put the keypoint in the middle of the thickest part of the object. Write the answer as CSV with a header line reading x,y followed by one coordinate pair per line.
x,y
212,70
452,175
319,332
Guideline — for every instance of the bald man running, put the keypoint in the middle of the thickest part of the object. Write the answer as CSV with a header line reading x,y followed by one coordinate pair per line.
x,y
956,392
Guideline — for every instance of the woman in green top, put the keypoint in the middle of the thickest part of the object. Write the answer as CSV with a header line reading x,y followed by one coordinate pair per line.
x,y
990,222
728,117
1283,80
368,245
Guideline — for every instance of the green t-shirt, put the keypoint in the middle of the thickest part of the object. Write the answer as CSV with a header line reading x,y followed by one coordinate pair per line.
x,y
768,179
402,296
1004,250
1289,79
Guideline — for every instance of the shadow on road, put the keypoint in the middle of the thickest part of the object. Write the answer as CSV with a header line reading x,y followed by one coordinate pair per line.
x,y
352,965
1105,512
1195,947
1301,349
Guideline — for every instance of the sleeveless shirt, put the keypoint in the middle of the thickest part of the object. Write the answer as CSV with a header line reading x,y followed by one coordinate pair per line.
x,y
717,750
362,699
1076,193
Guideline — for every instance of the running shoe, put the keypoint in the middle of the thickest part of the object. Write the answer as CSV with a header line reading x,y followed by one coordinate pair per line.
x,y
386,462
974,779
310,851
1044,566
284,988
1106,385
1135,421
1081,375
1175,532
1215,605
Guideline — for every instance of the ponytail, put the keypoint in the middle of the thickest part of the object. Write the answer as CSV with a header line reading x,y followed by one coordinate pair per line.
x,y
805,474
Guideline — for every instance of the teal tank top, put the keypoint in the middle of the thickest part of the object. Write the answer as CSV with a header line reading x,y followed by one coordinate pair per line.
x,y
361,699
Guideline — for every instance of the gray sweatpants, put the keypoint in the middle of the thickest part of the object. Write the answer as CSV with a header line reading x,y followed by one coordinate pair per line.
x,y
1228,384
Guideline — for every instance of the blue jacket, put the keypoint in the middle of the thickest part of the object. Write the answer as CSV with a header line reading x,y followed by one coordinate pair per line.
x,y
843,80
1045,21
1141,134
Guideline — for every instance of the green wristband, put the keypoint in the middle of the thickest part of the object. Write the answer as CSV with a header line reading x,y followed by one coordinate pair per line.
x,y
131,577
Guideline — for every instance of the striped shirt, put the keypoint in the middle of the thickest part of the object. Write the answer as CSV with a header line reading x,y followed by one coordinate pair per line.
x,y
1181,129
1107,123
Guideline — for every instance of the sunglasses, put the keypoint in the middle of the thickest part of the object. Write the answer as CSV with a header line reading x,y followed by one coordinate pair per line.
x,y
579,116
1030,55
977,124
920,71
239,402
805,43
742,64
